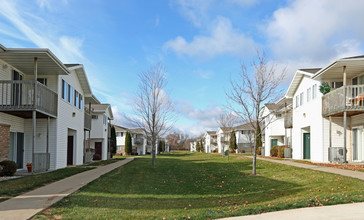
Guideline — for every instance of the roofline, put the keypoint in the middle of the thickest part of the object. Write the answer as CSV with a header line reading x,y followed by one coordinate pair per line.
x,y
2,47
80,66
38,50
334,63
298,72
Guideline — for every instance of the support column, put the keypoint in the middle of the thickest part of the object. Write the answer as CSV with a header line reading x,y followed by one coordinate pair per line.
x,y
47,147
344,118
34,113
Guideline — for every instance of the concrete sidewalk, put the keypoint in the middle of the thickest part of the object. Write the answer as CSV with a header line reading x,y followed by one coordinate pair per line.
x,y
28,204
349,173
351,211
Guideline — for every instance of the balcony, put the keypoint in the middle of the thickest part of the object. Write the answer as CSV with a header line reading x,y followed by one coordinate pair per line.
x,y
335,102
288,120
138,141
213,141
17,97
87,121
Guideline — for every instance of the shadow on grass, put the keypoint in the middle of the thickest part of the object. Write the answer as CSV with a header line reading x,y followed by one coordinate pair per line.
x,y
177,183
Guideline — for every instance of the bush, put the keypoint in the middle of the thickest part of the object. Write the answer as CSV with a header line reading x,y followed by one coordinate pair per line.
x,y
274,151
215,150
243,151
8,168
259,151
97,157
281,152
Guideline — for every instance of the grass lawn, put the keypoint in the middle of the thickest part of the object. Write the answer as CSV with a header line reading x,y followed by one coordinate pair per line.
x,y
104,162
15,187
202,186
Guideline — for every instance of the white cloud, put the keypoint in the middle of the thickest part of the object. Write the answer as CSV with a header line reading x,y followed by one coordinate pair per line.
x,y
205,74
316,31
50,4
41,33
206,118
223,39
242,3
194,10
157,21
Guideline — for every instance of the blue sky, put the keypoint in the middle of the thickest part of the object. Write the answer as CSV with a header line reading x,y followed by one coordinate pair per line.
x,y
201,42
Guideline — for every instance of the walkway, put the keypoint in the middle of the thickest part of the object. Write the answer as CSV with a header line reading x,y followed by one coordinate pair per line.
x,y
28,204
351,211
349,173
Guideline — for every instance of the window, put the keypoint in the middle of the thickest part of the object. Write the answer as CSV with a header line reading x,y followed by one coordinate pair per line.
x,y
70,93
122,134
336,85
314,91
80,102
278,115
301,99
75,100
105,120
64,89
42,80
94,117
309,94
118,134
297,101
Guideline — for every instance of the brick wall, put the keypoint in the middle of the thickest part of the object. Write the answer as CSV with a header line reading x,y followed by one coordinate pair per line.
x,y
4,141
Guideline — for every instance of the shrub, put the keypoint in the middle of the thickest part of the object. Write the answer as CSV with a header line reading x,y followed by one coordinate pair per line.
x,y
274,151
259,151
243,151
281,152
97,157
215,150
8,168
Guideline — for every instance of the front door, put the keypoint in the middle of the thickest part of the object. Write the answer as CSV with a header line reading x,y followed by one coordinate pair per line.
x,y
17,148
357,143
273,142
70,150
306,146
98,148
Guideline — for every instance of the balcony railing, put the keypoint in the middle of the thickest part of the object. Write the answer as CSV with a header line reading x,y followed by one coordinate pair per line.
x,y
19,95
336,102
87,121
288,120
138,141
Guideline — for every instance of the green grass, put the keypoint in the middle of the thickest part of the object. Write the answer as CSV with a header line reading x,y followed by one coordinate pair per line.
x,y
104,162
14,187
202,186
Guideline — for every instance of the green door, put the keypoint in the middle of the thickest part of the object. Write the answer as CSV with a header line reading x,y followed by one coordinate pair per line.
x,y
273,142
306,146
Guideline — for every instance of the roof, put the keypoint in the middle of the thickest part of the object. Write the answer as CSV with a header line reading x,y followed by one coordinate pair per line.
x,y
246,126
81,74
285,101
311,70
354,66
119,128
92,99
23,60
103,108
296,82
136,130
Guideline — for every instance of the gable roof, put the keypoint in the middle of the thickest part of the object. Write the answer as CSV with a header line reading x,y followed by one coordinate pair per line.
x,y
23,60
296,82
81,74
119,128
103,108
246,126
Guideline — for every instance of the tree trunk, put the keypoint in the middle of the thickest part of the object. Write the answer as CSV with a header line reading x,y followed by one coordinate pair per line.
x,y
153,150
255,158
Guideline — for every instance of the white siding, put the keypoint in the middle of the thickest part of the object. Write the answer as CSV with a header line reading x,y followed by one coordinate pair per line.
x,y
69,124
308,116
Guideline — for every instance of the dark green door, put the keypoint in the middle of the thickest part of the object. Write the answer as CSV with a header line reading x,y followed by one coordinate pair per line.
x,y
306,146
273,142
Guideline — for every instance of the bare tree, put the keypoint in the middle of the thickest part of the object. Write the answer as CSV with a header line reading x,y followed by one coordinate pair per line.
x,y
226,122
153,108
254,89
